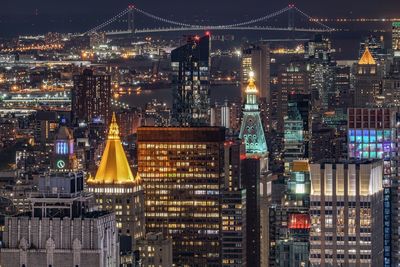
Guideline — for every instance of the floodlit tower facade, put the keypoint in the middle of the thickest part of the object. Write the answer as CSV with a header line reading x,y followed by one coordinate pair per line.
x,y
116,189
252,131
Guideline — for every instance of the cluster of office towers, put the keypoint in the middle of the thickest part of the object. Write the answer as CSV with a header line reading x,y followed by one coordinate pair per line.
x,y
204,196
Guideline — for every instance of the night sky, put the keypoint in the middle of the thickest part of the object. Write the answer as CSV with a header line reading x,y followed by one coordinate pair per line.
x,y
50,15
317,7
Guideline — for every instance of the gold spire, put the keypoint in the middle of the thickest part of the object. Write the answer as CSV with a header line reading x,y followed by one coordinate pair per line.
x,y
367,58
114,167
251,86
113,132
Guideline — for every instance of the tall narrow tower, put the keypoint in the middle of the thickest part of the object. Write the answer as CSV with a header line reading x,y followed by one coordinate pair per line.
x,y
116,189
252,131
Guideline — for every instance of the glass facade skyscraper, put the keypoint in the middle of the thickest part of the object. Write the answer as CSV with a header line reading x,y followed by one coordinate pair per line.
x,y
182,170
396,38
191,82
372,135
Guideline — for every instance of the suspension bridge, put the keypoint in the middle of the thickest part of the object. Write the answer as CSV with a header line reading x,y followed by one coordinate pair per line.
x,y
131,13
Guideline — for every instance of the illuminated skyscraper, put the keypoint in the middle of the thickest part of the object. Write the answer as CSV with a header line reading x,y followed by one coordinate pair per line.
x,y
257,58
116,189
290,222
233,209
191,82
183,173
91,97
372,134
396,38
293,80
346,214
320,67
366,81
64,158
252,131
293,136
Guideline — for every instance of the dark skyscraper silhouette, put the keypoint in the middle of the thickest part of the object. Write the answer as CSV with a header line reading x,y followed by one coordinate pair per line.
x,y
191,83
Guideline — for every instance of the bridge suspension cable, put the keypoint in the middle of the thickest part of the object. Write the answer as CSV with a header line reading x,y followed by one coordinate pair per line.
x,y
187,26
165,20
313,20
277,13
108,22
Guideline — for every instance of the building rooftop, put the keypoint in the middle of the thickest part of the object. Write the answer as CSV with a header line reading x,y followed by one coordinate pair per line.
x,y
346,161
367,58
114,166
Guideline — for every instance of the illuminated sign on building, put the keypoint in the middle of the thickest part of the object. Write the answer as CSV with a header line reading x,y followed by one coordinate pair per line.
x,y
299,221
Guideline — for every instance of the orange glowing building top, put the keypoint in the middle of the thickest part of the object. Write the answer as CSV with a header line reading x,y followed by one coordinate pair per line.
x,y
114,167
367,58
251,87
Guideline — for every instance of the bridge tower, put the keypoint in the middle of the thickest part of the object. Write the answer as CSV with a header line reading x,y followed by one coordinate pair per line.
x,y
291,17
131,18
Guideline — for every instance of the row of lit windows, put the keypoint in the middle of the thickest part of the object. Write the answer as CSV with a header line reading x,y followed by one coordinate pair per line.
x,y
173,146
201,228
194,204
114,190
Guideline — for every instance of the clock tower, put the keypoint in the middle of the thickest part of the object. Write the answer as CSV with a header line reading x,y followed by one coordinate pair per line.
x,y
252,131
64,158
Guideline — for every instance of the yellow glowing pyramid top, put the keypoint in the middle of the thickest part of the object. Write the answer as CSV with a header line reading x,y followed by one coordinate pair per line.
x,y
114,167
367,58
251,86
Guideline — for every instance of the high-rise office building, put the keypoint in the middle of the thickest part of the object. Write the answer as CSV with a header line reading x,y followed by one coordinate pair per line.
x,y
342,97
91,97
320,66
60,231
391,85
116,189
251,177
233,208
155,250
293,136
256,58
227,115
182,170
346,214
191,82
367,81
293,79
290,221
396,38
372,134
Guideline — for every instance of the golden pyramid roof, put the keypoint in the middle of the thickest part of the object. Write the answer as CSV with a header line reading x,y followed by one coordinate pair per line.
x,y
251,86
367,58
114,167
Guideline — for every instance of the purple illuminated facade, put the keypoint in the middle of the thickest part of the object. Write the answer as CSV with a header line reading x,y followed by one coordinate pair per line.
x,y
372,134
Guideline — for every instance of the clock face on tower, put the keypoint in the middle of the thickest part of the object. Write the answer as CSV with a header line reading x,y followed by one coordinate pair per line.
x,y
60,164
250,124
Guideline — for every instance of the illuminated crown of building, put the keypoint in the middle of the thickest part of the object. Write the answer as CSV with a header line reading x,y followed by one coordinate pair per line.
x,y
367,58
114,167
251,86
252,131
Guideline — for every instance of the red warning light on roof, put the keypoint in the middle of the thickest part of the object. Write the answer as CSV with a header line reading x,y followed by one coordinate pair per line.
x,y
208,33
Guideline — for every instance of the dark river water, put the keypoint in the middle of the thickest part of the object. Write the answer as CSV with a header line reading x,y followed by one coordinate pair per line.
x,y
218,94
